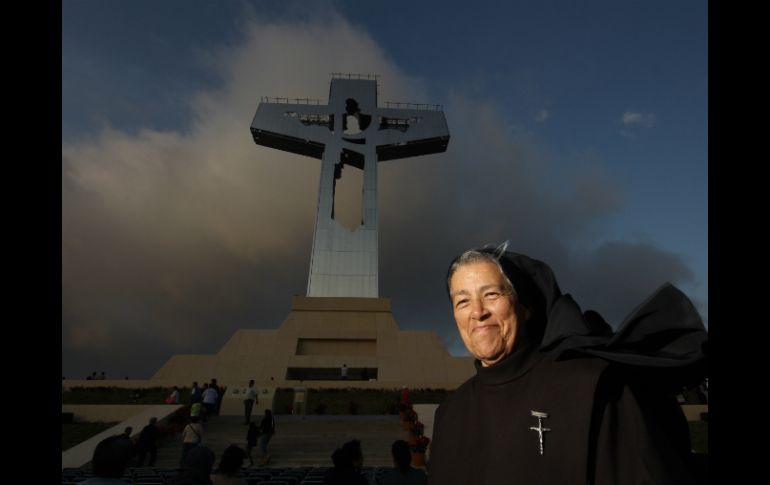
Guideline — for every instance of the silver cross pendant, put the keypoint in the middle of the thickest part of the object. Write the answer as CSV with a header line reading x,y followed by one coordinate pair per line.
x,y
540,430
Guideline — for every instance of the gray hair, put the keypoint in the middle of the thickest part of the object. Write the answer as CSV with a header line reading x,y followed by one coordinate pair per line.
x,y
488,255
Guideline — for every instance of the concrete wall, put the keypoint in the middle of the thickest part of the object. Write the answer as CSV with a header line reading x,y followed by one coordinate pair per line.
x,y
692,411
417,359
232,402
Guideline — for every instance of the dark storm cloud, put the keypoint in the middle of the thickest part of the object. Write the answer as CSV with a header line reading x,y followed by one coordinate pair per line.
x,y
488,189
173,241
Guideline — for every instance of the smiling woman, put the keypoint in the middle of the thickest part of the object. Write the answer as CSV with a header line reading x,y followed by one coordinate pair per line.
x,y
557,398
485,309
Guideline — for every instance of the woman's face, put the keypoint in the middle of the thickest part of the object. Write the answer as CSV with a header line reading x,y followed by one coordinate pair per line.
x,y
485,311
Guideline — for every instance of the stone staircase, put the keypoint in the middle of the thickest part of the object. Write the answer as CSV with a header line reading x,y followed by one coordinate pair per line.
x,y
299,440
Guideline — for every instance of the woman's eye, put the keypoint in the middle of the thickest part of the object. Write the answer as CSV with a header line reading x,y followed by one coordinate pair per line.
x,y
461,303
492,295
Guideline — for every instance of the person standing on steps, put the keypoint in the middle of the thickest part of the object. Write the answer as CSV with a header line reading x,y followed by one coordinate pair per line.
x,y
267,428
248,403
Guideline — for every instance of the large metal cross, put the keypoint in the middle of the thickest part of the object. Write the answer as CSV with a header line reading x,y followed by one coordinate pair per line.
x,y
351,130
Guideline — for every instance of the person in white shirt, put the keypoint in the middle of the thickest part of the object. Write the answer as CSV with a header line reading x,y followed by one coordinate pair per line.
x,y
192,436
251,399
210,397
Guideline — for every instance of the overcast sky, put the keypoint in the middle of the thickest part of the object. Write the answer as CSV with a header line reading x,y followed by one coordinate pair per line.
x,y
578,133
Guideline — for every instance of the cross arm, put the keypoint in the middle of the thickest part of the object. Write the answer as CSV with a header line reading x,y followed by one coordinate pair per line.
x,y
403,133
298,128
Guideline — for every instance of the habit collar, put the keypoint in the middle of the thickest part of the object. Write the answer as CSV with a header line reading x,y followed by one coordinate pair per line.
x,y
514,366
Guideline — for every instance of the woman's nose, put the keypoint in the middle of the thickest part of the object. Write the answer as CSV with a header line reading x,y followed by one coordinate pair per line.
x,y
477,308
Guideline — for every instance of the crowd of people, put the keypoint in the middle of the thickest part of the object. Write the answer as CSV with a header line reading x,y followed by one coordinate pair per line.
x,y
196,465
114,454
205,402
348,461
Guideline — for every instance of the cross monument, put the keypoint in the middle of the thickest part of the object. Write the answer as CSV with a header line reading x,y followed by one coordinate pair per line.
x,y
351,130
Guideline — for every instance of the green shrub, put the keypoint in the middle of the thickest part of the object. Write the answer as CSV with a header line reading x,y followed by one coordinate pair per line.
x,y
282,403
336,401
120,395
429,396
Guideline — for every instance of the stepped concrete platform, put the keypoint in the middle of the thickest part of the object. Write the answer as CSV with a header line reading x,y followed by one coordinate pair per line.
x,y
299,440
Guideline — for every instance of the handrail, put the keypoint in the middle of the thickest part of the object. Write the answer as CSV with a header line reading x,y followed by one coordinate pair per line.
x,y
417,106
342,75
268,99
317,102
